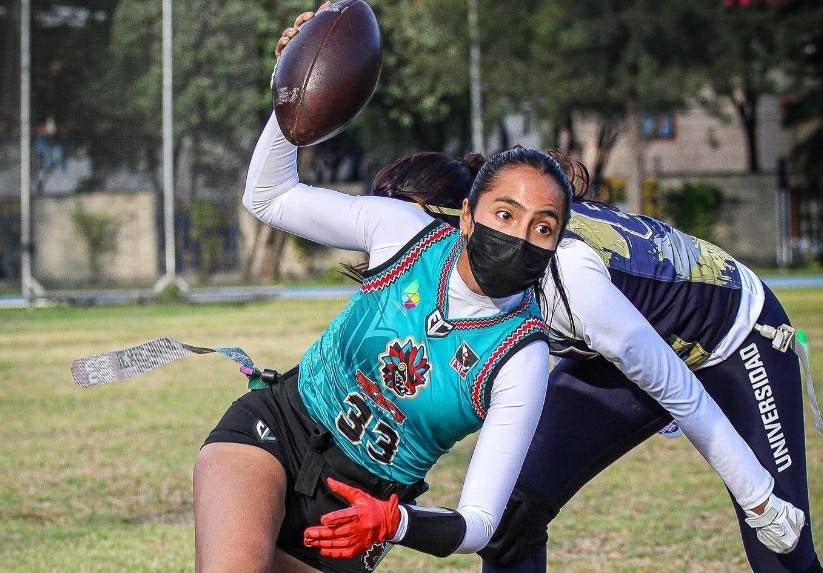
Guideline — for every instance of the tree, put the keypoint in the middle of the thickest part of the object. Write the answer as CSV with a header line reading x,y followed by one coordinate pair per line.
x,y
422,101
65,46
9,99
613,60
805,110
216,88
748,50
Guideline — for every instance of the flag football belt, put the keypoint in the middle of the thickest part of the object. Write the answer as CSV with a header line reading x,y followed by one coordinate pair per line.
x,y
117,365
324,456
322,453
783,338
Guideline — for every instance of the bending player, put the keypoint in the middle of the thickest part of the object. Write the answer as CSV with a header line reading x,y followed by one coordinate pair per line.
x,y
691,335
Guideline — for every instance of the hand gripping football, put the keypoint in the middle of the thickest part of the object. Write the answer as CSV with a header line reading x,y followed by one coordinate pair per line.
x,y
328,72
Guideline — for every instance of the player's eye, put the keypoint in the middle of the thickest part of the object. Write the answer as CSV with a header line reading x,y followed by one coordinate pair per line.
x,y
543,230
503,215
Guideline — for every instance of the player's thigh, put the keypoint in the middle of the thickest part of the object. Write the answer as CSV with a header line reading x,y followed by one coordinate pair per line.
x,y
239,493
759,390
592,415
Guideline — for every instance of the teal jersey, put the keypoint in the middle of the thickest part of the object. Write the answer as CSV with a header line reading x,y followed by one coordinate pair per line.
x,y
396,380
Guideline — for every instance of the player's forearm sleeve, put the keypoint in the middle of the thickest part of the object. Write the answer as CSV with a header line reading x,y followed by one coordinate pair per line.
x,y
434,530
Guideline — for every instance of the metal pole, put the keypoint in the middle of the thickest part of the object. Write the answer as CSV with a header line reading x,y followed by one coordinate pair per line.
x,y
634,181
478,140
168,144
168,156
30,287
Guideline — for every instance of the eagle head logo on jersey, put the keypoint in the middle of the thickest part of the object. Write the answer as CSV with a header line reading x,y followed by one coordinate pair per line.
x,y
405,368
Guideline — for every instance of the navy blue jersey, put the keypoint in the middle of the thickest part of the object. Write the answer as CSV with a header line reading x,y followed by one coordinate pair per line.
x,y
688,289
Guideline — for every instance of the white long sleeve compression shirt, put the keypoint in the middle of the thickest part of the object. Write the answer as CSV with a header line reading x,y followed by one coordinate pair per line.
x,y
607,322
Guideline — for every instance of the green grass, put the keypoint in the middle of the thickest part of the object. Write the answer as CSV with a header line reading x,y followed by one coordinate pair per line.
x,y
811,268
100,479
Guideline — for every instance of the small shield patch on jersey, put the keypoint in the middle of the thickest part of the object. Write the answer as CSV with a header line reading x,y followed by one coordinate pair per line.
x,y
411,296
264,433
463,359
436,325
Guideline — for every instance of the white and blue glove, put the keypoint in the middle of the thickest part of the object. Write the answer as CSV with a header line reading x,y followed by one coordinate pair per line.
x,y
779,526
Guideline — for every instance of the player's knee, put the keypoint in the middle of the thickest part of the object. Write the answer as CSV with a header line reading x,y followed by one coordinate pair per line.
x,y
522,529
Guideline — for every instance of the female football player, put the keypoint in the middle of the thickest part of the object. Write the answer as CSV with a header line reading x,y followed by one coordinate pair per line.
x,y
443,337
654,325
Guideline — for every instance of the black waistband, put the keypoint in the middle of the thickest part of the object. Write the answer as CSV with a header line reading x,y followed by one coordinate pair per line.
x,y
322,443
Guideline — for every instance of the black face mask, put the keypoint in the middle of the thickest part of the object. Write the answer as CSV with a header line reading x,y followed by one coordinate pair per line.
x,y
504,265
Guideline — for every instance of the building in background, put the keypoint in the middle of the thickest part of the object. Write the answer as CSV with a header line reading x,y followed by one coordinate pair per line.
x,y
763,214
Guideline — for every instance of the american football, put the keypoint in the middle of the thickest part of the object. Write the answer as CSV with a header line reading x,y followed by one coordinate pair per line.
x,y
328,72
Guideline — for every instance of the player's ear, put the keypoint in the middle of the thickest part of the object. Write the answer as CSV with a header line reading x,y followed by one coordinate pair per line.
x,y
466,220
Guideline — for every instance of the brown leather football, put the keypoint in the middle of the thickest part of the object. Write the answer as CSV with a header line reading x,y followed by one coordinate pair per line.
x,y
328,72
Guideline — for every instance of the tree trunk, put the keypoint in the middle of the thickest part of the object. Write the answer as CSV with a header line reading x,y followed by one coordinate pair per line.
x,y
571,143
505,137
607,133
747,112
262,261
10,105
185,168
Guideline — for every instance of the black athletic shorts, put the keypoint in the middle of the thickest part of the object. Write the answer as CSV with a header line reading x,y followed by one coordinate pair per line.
x,y
275,420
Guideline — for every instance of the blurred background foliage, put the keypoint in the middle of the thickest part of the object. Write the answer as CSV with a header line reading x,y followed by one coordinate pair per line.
x,y
695,208
556,56
96,93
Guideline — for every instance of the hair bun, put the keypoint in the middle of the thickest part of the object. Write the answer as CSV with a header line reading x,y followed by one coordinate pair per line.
x,y
576,172
474,161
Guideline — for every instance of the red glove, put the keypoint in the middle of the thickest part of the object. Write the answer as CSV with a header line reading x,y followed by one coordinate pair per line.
x,y
349,532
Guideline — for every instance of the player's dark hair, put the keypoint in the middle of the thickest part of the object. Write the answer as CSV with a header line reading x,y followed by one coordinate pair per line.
x,y
565,171
432,180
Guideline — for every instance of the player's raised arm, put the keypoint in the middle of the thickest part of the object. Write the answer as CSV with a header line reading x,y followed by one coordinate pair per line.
x,y
273,192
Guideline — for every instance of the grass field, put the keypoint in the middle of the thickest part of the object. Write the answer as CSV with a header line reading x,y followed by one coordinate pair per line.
x,y
100,479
